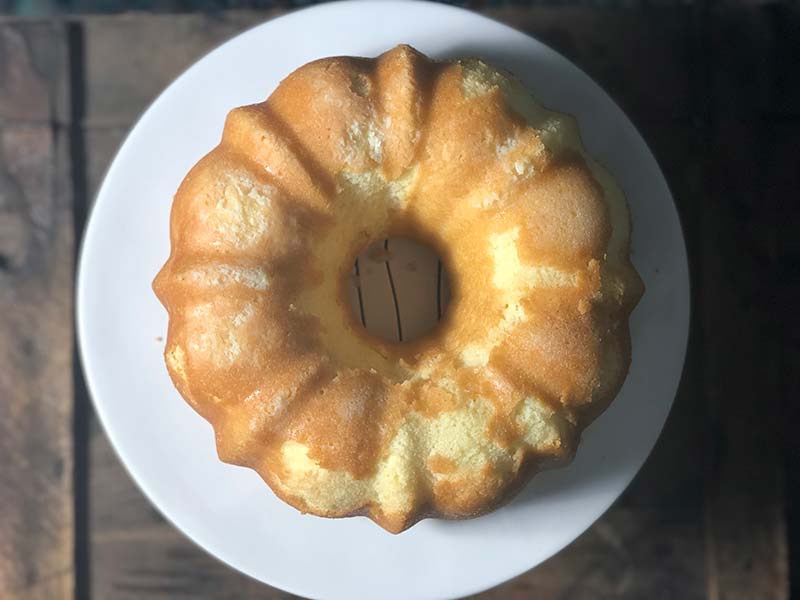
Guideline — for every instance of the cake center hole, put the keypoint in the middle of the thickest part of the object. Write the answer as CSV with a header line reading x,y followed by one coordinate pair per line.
x,y
399,289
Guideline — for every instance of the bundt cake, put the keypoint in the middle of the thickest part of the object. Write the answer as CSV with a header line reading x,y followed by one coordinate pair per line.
x,y
264,231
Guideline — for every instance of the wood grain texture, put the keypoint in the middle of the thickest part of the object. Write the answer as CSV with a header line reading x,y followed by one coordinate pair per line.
x,y
130,59
704,518
33,82
409,301
36,343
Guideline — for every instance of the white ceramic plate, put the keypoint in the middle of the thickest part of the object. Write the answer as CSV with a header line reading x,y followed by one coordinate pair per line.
x,y
169,450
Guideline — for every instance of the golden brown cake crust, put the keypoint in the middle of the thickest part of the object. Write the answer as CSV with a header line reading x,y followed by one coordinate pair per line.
x,y
263,231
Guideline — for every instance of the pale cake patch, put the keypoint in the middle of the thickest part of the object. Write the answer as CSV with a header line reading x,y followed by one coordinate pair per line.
x,y
372,187
476,354
544,428
176,360
240,211
264,231
511,274
215,336
513,281
458,436
363,141
478,78
456,439
222,275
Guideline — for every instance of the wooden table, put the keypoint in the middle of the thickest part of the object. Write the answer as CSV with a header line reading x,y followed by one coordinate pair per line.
x,y
716,94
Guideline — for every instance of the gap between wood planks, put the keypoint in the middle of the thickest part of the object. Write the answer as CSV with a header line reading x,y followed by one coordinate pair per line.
x,y
82,408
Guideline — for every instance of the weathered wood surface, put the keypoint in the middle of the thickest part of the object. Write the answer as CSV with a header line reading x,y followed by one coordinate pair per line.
x,y
740,224
715,95
36,266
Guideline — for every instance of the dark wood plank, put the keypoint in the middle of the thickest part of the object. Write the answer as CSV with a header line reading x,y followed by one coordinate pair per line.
x,y
36,261
745,513
781,182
